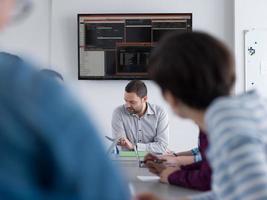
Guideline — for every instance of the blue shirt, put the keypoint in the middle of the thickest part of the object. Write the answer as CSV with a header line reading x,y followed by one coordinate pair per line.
x,y
49,149
237,131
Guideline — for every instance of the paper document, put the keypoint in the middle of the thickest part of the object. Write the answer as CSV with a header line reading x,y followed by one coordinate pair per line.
x,y
148,178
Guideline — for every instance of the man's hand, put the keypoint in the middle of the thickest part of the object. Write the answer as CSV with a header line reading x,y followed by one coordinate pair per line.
x,y
124,142
171,161
166,173
150,157
154,164
155,168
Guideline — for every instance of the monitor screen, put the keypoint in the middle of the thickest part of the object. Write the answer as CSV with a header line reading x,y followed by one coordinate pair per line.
x,y
118,46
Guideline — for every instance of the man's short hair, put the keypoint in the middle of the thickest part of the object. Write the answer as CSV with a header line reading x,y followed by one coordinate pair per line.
x,y
195,67
137,87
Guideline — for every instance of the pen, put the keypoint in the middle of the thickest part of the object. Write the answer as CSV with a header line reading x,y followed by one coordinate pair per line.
x,y
158,161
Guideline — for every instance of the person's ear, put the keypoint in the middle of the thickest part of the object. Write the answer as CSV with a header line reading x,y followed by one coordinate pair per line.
x,y
144,99
168,96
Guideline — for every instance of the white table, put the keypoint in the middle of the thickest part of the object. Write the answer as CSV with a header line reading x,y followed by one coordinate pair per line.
x,y
131,170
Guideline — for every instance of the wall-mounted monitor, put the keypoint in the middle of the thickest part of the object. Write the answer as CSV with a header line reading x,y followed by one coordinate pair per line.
x,y
118,46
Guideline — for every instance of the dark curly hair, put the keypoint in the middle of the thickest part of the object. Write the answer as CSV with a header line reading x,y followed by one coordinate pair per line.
x,y
195,67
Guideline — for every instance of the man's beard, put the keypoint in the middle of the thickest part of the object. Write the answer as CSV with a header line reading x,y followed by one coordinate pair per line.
x,y
132,111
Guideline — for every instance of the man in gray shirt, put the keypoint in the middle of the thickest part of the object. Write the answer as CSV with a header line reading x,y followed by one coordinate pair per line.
x,y
139,122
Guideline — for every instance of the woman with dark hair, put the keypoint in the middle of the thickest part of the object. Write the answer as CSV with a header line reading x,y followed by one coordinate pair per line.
x,y
196,74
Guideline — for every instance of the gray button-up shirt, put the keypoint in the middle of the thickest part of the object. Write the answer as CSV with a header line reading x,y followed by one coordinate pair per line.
x,y
150,132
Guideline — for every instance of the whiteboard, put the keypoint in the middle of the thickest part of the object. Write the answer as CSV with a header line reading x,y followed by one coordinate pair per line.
x,y
256,60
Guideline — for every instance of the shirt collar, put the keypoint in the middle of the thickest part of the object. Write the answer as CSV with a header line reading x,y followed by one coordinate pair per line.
x,y
149,110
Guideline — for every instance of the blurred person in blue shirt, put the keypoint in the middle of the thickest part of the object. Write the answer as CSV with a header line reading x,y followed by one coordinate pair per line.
x,y
49,149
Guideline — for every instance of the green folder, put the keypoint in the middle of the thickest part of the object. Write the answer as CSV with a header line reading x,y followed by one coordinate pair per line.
x,y
132,153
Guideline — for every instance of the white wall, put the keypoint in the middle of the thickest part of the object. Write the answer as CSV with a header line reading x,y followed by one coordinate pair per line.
x,y
101,97
214,16
248,14
31,37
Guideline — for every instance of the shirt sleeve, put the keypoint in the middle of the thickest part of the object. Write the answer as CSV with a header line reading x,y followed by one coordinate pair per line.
x,y
161,139
52,145
246,177
117,124
195,176
80,157
237,150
